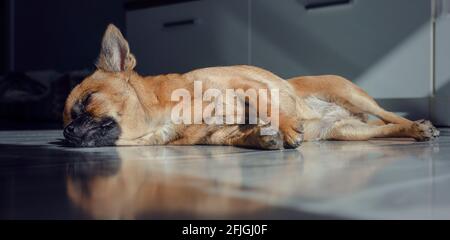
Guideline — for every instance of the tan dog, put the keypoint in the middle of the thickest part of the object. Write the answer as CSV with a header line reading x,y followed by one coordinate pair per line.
x,y
116,106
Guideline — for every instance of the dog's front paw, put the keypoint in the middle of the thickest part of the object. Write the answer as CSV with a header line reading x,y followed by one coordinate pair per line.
x,y
423,130
272,141
293,137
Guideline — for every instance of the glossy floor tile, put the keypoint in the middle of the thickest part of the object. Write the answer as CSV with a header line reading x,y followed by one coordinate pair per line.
x,y
379,179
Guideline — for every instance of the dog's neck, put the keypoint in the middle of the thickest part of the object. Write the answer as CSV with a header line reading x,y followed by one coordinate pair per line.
x,y
143,90
151,92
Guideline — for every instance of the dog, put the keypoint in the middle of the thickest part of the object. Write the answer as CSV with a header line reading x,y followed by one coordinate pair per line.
x,y
117,106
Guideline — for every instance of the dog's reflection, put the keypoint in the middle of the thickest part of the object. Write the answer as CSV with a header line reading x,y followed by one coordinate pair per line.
x,y
144,183
223,182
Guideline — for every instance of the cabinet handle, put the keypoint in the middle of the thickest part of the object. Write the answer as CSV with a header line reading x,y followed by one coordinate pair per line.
x,y
441,8
180,23
316,4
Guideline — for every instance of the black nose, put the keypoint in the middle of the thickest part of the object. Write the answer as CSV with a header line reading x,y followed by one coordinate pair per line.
x,y
70,132
86,131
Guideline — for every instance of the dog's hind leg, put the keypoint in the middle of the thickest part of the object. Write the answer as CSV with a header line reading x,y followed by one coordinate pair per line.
x,y
355,130
367,104
376,122
343,92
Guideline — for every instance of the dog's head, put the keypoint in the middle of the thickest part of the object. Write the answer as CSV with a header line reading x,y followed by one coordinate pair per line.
x,y
104,106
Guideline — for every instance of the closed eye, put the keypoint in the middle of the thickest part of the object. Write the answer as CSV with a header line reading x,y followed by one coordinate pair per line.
x,y
80,106
86,100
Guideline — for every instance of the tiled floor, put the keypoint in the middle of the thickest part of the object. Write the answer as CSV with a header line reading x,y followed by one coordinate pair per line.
x,y
377,179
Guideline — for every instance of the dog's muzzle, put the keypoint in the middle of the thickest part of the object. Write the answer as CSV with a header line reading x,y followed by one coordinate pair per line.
x,y
85,131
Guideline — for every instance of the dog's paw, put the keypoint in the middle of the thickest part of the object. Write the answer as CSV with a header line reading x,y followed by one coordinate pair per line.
x,y
293,137
269,139
423,130
271,142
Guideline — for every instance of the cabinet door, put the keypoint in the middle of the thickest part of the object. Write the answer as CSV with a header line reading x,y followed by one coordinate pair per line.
x,y
382,45
440,101
182,37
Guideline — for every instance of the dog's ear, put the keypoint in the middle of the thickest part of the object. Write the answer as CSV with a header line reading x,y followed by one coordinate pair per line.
x,y
115,53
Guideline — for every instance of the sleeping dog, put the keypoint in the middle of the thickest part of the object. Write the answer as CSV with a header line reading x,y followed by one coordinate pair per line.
x,y
117,106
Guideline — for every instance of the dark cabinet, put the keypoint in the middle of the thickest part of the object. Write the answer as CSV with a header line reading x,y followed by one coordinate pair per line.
x,y
186,36
59,35
382,45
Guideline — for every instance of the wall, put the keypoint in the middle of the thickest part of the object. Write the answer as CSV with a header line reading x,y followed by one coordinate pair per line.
x,y
61,35
3,49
